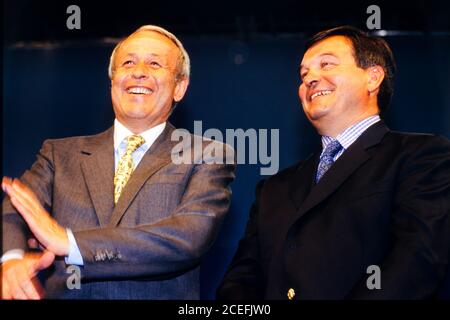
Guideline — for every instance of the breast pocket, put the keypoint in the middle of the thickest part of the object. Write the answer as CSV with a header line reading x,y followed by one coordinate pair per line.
x,y
369,207
159,196
370,190
171,174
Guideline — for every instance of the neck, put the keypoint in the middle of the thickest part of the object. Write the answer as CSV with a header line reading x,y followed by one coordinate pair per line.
x,y
333,128
137,127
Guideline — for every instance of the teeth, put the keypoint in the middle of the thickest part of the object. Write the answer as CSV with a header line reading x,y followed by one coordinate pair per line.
x,y
320,93
139,90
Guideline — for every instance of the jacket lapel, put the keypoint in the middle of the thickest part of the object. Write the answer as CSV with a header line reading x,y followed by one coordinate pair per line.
x,y
156,157
302,180
348,163
97,166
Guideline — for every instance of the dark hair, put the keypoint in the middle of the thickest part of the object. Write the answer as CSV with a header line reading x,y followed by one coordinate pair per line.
x,y
368,51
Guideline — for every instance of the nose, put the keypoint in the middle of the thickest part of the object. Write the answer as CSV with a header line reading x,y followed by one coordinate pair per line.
x,y
140,72
311,79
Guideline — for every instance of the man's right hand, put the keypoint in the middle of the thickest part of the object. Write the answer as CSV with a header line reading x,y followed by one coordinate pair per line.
x,y
19,279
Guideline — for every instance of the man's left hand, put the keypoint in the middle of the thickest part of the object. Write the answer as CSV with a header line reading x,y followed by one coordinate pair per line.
x,y
46,230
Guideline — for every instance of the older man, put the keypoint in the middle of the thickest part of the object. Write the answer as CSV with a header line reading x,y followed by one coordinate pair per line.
x,y
114,204
368,216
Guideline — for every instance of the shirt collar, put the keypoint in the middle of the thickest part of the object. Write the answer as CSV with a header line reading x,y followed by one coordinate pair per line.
x,y
349,135
121,132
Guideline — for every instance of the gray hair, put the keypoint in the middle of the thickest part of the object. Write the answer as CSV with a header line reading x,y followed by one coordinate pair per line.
x,y
183,61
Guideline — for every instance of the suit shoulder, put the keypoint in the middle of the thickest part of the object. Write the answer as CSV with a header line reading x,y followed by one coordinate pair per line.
x,y
198,149
189,139
417,141
213,143
75,141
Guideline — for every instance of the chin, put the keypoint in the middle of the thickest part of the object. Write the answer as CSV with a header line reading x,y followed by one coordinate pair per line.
x,y
316,113
136,111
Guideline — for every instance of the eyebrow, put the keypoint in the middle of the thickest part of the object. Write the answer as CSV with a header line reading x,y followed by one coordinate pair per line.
x,y
134,55
328,53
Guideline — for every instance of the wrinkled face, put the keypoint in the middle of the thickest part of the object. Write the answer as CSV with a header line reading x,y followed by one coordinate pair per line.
x,y
333,88
144,84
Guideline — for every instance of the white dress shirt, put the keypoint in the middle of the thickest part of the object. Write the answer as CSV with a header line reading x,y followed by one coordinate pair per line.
x,y
349,135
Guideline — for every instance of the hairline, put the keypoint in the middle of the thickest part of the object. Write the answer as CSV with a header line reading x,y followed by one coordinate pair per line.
x,y
183,61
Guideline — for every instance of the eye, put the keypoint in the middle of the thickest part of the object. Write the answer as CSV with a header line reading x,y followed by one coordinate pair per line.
x,y
155,64
303,73
326,64
128,63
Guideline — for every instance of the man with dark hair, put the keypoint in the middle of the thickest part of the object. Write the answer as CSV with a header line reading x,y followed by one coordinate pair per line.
x,y
368,216
367,51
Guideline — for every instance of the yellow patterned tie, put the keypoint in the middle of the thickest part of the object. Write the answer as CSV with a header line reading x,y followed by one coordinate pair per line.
x,y
126,166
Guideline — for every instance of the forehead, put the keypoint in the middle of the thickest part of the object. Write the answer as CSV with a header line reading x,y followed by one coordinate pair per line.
x,y
147,42
339,46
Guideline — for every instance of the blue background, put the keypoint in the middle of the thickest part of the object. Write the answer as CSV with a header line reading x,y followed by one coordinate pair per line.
x,y
61,91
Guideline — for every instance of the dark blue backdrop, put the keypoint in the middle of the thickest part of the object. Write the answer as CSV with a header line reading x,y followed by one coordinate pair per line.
x,y
54,92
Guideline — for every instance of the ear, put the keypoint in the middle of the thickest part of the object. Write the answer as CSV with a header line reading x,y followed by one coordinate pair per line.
x,y
375,76
180,89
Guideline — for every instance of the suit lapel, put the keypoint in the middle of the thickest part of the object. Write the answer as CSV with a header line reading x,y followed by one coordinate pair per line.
x,y
348,163
98,169
302,180
156,157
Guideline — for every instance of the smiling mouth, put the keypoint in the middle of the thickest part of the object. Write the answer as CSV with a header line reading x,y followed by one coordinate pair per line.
x,y
139,90
320,93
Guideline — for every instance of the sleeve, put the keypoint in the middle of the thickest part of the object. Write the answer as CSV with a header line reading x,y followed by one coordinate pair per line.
x,y
12,254
417,262
40,179
74,256
244,277
168,247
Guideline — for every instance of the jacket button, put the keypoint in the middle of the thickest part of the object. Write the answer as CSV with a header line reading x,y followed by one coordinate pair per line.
x,y
291,294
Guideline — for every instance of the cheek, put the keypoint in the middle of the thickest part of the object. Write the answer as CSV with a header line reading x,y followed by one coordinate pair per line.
x,y
115,96
165,82
354,90
117,82
302,92
116,90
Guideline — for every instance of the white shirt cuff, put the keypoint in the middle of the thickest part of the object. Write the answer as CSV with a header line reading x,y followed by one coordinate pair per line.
x,y
12,254
74,256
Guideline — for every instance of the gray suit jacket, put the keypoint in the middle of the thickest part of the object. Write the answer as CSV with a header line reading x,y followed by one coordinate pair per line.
x,y
148,246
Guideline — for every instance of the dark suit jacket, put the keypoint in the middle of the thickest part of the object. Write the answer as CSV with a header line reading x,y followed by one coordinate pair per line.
x,y
385,202
150,244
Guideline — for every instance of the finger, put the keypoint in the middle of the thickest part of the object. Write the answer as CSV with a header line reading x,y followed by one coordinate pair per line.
x,y
45,260
40,227
6,294
26,209
6,182
36,217
37,227
26,192
15,288
39,261
18,184
30,287
19,195
25,196
25,213
7,185
18,283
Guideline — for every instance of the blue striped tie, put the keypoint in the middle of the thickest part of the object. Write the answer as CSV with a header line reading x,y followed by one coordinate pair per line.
x,y
326,160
